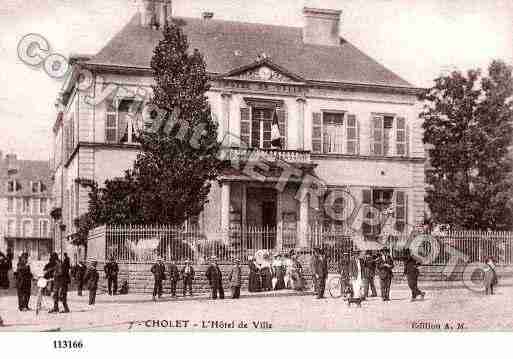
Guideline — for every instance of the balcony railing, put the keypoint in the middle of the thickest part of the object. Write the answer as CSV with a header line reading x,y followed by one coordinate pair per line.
x,y
266,154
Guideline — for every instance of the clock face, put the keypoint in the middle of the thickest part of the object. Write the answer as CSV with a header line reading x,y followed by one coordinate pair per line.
x,y
265,73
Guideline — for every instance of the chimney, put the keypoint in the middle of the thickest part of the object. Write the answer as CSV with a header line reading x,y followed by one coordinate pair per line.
x,y
321,26
155,13
207,15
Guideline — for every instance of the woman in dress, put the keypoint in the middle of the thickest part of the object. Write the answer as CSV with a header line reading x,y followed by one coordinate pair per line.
x,y
266,275
254,276
297,274
278,273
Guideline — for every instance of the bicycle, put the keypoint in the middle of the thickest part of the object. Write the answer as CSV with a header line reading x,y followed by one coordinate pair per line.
x,y
338,287
42,283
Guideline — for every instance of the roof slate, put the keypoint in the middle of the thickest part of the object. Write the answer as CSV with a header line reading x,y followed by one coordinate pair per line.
x,y
228,45
27,171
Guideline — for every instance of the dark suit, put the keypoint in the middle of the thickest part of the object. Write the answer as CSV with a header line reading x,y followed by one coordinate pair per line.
x,y
188,276
91,280
370,273
319,266
385,265
174,276
412,273
80,273
23,285
236,281
61,281
215,279
111,272
159,275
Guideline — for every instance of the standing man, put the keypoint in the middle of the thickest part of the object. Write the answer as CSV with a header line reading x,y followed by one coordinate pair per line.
x,y
369,274
357,274
385,265
188,277
60,290
412,273
174,276
314,264
320,272
80,273
111,270
91,278
236,280
215,279
23,282
159,275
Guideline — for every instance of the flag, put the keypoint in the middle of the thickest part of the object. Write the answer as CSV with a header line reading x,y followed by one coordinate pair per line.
x,y
275,132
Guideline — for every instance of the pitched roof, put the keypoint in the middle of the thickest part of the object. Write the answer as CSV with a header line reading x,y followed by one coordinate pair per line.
x,y
27,171
228,45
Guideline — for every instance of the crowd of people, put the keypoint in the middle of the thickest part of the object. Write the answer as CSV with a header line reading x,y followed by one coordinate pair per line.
x,y
284,271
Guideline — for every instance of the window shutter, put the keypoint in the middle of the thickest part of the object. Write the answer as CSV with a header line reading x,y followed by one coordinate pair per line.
x,y
352,134
317,132
401,206
400,136
376,139
282,125
111,120
407,140
366,202
245,125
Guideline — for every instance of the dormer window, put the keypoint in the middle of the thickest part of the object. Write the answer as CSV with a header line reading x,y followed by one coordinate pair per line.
x,y
38,187
13,186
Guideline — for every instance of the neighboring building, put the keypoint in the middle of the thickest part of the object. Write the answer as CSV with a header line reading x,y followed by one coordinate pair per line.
x,y
344,118
25,196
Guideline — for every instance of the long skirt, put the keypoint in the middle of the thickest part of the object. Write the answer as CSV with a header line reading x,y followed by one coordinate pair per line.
x,y
280,278
266,279
255,283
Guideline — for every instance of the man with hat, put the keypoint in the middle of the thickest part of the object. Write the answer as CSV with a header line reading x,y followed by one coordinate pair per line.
x,y
319,266
61,281
174,277
23,282
188,277
215,279
111,270
159,275
236,279
385,264
369,274
91,279
357,274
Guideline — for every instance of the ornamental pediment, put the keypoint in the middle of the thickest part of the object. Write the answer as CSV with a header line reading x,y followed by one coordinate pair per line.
x,y
263,71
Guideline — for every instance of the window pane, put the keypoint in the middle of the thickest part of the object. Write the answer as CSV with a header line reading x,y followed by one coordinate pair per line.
x,y
110,121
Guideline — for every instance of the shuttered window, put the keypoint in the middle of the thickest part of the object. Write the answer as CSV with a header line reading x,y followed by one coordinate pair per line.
x,y
367,228
282,125
317,132
401,137
333,132
353,135
111,122
245,123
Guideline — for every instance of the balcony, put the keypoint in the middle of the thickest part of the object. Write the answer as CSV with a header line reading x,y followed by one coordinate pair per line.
x,y
266,154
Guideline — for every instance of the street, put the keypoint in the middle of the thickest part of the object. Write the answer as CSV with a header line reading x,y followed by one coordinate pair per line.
x,y
448,306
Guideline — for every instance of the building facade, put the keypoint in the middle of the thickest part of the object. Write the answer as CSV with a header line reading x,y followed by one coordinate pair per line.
x,y
25,200
347,123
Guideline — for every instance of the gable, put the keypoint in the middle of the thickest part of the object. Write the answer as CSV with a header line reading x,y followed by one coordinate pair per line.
x,y
263,70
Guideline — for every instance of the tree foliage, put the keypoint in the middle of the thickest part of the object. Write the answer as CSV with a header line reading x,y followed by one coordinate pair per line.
x,y
468,126
178,158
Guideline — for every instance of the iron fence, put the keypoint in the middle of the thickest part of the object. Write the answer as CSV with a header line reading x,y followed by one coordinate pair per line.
x,y
146,243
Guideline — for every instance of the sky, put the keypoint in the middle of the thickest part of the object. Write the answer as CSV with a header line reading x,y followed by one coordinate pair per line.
x,y
415,39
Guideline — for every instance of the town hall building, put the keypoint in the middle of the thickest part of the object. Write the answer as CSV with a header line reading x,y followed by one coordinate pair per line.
x,y
344,119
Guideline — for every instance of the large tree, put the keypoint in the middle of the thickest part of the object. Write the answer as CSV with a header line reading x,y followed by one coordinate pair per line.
x,y
468,126
178,159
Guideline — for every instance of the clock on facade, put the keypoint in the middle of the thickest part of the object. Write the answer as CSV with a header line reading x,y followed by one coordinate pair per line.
x,y
265,73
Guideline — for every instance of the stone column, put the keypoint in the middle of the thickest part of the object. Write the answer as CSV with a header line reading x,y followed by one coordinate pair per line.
x,y
303,223
300,144
225,206
225,127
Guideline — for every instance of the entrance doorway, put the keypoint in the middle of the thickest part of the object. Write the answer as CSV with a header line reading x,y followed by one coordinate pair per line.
x,y
269,224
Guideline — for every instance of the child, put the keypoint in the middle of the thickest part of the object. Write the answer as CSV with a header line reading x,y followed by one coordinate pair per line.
x,y
91,280
490,276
